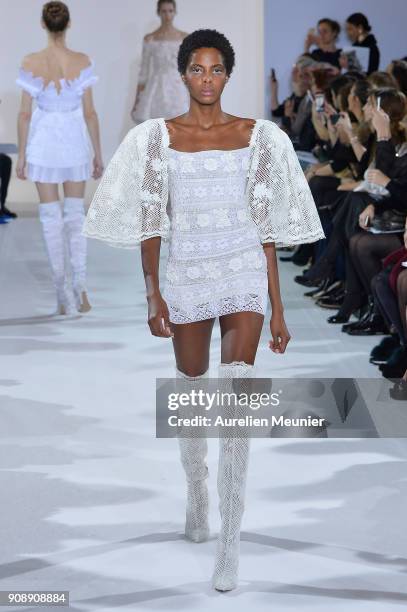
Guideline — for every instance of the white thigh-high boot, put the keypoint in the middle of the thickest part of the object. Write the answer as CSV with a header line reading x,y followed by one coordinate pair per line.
x,y
74,217
53,232
232,472
193,453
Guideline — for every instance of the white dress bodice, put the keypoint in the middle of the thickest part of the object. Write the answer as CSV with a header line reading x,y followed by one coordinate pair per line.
x,y
58,147
216,264
67,97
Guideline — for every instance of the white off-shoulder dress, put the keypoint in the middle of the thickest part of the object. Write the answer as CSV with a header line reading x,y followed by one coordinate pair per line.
x,y
215,209
58,147
164,93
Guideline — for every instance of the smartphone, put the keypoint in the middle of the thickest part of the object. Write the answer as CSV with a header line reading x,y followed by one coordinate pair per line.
x,y
273,75
320,102
378,102
335,118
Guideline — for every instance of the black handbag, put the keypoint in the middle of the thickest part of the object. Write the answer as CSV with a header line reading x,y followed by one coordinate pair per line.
x,y
391,220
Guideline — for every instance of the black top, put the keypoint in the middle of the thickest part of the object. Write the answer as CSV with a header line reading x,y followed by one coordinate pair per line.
x,y
374,57
330,57
396,169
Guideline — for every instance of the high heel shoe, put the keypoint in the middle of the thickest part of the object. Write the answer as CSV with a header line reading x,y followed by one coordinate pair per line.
x,y
351,304
82,302
399,391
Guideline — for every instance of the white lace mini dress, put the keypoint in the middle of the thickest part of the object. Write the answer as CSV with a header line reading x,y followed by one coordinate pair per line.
x,y
58,147
216,263
164,94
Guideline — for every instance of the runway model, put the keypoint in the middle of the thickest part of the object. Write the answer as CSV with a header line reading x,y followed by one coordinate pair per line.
x,y
54,148
236,191
160,90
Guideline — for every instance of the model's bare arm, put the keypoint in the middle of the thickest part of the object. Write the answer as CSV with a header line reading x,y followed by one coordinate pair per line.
x,y
23,124
92,123
158,315
278,328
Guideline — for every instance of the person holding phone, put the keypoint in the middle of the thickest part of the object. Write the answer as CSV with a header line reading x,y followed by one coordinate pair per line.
x,y
388,170
325,42
295,112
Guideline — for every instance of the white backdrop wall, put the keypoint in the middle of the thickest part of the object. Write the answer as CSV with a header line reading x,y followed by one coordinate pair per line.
x,y
286,23
111,33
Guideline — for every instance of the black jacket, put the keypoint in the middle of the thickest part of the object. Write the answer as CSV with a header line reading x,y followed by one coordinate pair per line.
x,y
374,56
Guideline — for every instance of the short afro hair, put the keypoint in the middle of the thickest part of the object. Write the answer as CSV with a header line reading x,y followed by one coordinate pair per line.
x,y
206,38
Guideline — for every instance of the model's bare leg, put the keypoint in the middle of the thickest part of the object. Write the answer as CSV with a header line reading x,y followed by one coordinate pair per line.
x,y
53,231
74,217
240,339
191,346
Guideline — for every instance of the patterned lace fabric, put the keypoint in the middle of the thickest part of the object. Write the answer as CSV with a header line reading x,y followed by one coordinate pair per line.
x,y
216,264
130,204
164,94
58,147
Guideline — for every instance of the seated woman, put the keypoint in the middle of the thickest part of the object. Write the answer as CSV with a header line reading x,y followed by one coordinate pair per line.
x,y
385,188
358,30
397,69
295,111
325,42
389,288
344,169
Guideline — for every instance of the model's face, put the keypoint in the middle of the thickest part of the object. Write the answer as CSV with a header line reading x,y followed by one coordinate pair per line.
x,y
326,33
205,76
167,12
352,31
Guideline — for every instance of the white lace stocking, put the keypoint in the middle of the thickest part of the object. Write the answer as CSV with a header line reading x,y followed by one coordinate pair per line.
x,y
74,217
232,472
53,232
193,452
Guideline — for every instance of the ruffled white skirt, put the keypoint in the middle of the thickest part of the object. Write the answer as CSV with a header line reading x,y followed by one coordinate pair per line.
x,y
58,147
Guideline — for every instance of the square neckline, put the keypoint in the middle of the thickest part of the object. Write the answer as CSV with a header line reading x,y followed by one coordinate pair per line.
x,y
253,135
209,151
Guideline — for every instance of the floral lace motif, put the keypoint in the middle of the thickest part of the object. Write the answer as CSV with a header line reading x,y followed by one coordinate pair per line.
x,y
130,204
216,264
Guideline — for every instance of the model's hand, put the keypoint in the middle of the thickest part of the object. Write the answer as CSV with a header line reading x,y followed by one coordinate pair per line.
x,y
279,331
159,317
20,168
378,177
97,167
368,212
343,61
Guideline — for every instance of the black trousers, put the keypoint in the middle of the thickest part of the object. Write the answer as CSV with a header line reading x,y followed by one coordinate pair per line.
x,y
5,173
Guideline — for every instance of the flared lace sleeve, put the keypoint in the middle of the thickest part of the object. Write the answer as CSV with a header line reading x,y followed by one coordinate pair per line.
x,y
130,203
145,63
279,198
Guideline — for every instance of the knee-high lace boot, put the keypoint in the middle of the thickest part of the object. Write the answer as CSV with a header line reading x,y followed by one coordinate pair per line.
x,y
74,217
53,233
232,472
193,453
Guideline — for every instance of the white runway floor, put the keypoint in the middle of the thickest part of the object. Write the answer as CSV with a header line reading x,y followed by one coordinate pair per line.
x,y
93,503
